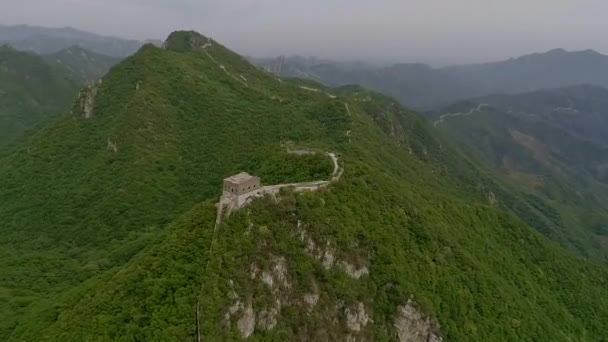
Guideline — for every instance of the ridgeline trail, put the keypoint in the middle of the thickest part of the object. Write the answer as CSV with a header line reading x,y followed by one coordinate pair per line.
x,y
470,112
227,203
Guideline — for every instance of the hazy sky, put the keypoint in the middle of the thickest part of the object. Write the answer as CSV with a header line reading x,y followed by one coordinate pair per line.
x,y
434,31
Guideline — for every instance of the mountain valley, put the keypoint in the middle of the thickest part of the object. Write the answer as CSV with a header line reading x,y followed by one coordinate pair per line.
x,y
551,143
109,219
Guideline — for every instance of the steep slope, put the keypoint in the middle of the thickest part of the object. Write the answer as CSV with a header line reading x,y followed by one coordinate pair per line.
x,y
421,86
82,65
580,110
406,245
46,40
30,91
552,143
94,191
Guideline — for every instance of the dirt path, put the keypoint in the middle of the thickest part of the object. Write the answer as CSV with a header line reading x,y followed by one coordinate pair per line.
x,y
337,169
347,109
472,111
331,96
310,89
308,186
241,80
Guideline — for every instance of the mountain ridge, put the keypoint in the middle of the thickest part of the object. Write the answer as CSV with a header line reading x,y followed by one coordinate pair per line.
x,y
30,91
550,141
49,40
82,64
35,87
423,87
121,199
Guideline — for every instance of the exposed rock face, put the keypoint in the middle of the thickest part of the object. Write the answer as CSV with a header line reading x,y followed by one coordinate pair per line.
x,y
280,271
246,324
112,146
276,277
87,98
268,319
277,281
352,271
356,318
268,279
254,271
492,199
343,319
413,326
326,255
236,307
311,299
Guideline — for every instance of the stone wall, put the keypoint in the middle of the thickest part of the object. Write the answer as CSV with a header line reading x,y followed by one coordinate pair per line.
x,y
252,184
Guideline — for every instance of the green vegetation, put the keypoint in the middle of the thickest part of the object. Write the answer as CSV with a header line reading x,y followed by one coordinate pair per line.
x,y
81,65
35,88
149,298
108,223
30,91
550,145
91,209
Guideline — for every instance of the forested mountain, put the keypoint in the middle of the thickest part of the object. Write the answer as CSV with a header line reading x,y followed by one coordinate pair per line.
x,y
109,225
424,87
82,65
34,88
30,91
553,144
45,40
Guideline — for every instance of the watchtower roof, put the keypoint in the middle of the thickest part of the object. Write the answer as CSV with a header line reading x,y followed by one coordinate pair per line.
x,y
239,178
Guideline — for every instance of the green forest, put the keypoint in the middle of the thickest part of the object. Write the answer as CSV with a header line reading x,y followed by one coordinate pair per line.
x,y
108,223
30,90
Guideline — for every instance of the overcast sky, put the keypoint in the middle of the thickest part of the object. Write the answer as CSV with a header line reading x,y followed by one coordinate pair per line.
x,y
433,31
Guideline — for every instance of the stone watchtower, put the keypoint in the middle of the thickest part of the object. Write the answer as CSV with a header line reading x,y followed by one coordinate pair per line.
x,y
241,184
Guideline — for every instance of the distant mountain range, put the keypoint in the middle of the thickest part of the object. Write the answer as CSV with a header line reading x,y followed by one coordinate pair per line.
x,y
43,40
553,144
540,122
110,229
422,87
82,65
109,196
